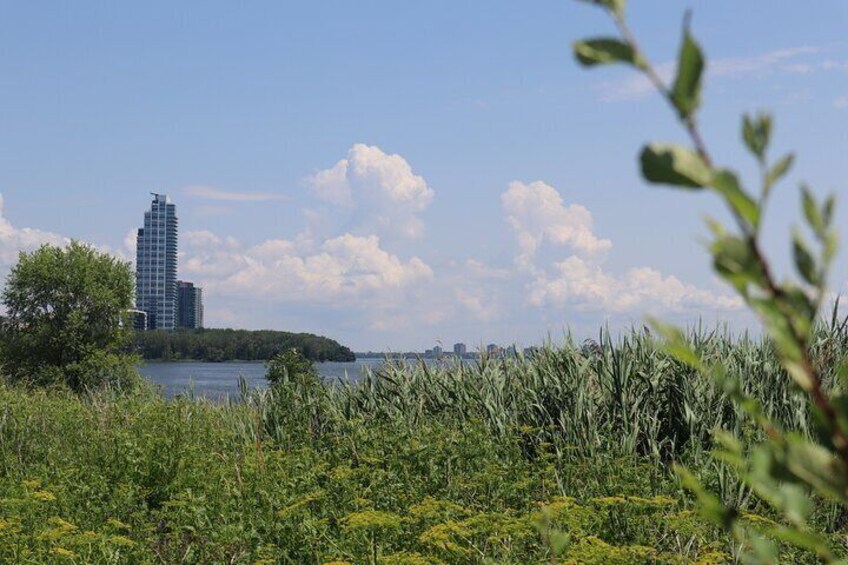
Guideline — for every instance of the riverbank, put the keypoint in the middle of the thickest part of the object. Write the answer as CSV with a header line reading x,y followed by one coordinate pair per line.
x,y
512,460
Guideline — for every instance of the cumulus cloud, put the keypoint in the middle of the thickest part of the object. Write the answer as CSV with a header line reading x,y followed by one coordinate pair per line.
x,y
342,268
583,286
205,238
381,192
13,240
537,214
212,193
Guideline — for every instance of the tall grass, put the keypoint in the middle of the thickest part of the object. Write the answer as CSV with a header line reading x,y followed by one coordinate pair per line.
x,y
412,463
625,397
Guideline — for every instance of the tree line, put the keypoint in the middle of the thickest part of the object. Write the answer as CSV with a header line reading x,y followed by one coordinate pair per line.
x,y
228,345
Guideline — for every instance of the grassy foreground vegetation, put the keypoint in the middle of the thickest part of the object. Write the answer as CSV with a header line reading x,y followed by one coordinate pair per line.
x,y
565,457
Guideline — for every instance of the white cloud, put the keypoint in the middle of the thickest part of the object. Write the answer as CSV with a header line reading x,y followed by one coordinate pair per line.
x,y
583,286
14,240
130,241
537,214
342,268
212,193
331,185
636,86
207,239
381,192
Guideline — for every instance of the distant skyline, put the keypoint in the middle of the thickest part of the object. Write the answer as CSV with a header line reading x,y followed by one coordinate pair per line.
x,y
393,176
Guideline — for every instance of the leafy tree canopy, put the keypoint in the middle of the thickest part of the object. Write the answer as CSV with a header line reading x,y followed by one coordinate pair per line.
x,y
242,345
65,308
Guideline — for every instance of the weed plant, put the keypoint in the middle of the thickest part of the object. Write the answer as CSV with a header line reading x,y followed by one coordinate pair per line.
x,y
503,460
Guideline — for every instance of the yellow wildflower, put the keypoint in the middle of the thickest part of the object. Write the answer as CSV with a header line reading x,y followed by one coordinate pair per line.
x,y
291,508
31,484
44,496
60,523
341,472
409,558
607,500
121,541
371,520
713,558
430,508
117,524
62,552
88,536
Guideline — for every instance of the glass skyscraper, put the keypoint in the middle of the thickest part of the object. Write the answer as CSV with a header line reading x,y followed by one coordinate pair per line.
x,y
156,265
189,305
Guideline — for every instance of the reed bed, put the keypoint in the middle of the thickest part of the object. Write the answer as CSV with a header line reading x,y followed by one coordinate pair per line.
x,y
560,456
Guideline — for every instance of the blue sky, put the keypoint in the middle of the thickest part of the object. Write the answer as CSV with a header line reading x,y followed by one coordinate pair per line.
x,y
345,168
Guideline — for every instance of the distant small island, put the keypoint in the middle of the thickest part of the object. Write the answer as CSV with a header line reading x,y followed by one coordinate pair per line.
x,y
217,345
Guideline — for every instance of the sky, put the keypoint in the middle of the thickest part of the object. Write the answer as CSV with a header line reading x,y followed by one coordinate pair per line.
x,y
394,174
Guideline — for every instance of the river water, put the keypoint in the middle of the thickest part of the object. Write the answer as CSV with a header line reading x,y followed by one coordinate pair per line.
x,y
220,380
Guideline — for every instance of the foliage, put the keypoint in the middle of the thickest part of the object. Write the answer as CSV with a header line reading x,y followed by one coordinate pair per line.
x,y
65,309
784,468
289,366
501,460
229,345
140,479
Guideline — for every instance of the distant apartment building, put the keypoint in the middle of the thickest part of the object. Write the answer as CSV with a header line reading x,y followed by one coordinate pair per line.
x,y
459,349
156,265
493,349
138,319
189,305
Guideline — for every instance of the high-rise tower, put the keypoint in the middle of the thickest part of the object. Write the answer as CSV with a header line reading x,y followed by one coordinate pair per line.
x,y
189,305
156,264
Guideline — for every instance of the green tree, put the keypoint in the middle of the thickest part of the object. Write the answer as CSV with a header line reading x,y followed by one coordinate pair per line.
x,y
290,366
65,318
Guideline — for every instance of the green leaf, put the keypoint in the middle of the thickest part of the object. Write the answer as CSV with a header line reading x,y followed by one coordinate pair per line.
x,y
804,261
559,542
710,507
734,261
786,345
778,170
614,6
819,468
686,91
727,184
827,209
674,165
812,213
764,550
676,344
756,133
831,243
603,51
803,538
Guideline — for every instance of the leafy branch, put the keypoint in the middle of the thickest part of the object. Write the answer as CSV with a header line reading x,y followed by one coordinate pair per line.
x,y
783,468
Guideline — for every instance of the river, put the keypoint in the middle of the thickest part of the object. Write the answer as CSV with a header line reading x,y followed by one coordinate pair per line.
x,y
220,380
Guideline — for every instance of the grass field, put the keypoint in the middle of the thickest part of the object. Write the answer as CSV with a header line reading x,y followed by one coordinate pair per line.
x,y
562,458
